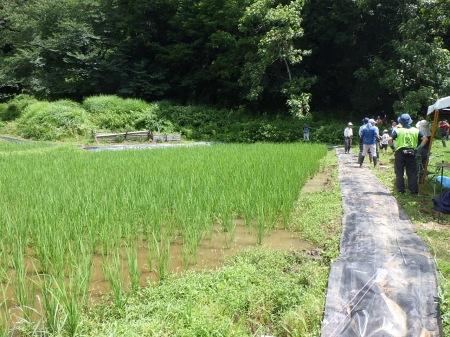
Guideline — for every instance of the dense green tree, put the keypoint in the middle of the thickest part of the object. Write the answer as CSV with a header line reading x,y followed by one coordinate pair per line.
x,y
51,49
334,34
412,64
271,30
271,56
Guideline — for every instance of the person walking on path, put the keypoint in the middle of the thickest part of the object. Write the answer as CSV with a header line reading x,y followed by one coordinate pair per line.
x,y
377,140
408,139
370,136
394,127
443,125
348,134
306,130
364,121
385,142
424,126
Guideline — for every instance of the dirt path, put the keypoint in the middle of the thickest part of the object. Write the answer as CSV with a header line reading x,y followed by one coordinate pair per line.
x,y
384,282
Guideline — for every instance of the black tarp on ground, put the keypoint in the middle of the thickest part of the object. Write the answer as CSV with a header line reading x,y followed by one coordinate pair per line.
x,y
384,282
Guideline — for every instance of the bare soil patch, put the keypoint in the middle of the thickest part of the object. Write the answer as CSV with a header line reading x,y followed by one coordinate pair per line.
x,y
321,181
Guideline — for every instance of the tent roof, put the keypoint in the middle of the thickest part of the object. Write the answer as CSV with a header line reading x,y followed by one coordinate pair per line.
x,y
440,104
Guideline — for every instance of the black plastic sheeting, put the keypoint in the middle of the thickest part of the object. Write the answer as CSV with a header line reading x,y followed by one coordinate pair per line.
x,y
384,282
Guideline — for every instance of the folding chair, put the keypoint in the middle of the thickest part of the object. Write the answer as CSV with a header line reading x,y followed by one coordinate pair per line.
x,y
430,175
432,172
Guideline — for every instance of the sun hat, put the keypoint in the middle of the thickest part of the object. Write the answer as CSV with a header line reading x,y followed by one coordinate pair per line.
x,y
349,124
384,131
372,121
404,119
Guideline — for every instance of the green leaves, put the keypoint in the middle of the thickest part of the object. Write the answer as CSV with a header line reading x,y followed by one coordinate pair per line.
x,y
272,31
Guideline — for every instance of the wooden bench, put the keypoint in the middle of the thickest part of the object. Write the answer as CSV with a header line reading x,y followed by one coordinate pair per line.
x,y
167,137
146,135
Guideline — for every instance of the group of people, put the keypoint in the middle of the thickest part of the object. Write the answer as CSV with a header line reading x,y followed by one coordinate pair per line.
x,y
405,140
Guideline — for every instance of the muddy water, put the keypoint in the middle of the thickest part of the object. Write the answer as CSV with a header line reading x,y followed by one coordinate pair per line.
x,y
212,252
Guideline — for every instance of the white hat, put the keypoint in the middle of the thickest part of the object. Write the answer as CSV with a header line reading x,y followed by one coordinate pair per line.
x,y
349,124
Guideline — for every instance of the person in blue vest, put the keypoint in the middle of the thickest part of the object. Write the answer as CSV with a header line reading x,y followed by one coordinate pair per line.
x,y
369,135
408,140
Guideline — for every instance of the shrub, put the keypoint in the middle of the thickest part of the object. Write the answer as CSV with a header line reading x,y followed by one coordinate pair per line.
x,y
331,133
54,121
14,108
3,108
113,113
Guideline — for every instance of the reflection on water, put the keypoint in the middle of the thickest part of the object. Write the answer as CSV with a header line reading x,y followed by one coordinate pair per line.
x,y
211,253
214,248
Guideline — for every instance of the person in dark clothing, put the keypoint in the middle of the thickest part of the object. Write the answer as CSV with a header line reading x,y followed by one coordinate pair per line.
x,y
408,140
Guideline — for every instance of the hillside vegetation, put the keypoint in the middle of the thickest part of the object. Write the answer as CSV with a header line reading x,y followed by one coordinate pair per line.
x,y
66,120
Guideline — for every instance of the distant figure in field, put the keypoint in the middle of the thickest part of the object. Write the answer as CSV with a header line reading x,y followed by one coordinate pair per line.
x,y
306,130
443,125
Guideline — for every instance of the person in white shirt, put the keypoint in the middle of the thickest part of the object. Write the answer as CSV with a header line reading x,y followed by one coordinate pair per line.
x,y
393,129
348,134
385,142
377,140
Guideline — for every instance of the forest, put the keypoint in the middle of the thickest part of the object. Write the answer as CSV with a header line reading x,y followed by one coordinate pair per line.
x,y
261,57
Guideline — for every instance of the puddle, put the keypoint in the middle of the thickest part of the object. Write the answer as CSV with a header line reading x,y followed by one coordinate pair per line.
x,y
319,182
210,254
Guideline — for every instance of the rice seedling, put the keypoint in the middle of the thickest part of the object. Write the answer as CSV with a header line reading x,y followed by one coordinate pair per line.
x,y
113,271
23,287
133,267
54,319
72,308
161,252
81,270
4,310
3,261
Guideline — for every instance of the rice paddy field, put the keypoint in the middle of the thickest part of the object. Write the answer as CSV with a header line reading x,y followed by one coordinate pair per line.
x,y
68,216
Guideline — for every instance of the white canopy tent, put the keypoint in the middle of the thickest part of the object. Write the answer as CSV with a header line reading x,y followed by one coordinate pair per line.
x,y
441,103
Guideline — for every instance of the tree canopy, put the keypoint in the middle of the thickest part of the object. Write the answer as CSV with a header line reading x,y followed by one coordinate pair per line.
x,y
284,56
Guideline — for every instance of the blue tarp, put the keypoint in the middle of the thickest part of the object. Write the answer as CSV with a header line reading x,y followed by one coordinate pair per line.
x,y
445,181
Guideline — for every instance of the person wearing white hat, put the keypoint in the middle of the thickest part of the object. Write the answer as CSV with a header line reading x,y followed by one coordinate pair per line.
x,y
385,142
424,126
348,134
